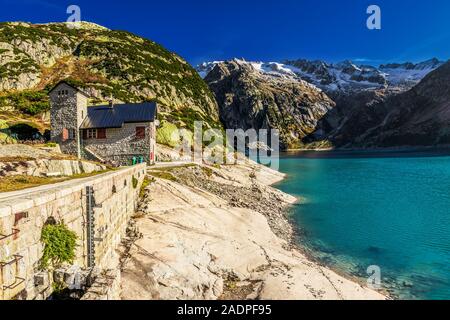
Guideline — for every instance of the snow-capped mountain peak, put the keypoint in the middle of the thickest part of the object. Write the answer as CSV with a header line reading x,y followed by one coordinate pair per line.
x,y
204,68
342,76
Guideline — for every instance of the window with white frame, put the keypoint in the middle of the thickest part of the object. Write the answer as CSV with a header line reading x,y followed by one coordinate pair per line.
x,y
92,133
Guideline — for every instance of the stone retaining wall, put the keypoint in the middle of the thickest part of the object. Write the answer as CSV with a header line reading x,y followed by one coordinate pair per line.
x,y
24,213
48,167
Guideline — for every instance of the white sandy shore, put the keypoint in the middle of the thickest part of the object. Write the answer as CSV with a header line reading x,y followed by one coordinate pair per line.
x,y
196,245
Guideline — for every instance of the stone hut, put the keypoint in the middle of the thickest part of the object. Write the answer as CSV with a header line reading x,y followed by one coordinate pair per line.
x,y
119,134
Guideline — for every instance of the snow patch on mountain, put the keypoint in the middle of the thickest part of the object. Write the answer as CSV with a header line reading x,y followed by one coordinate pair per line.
x,y
204,68
342,76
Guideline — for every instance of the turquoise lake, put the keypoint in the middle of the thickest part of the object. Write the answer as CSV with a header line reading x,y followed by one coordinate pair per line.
x,y
386,209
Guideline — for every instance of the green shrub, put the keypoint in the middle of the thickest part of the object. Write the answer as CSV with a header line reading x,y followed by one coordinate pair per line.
x,y
207,171
51,145
29,102
188,117
163,175
60,244
144,185
5,133
135,182
3,124
168,134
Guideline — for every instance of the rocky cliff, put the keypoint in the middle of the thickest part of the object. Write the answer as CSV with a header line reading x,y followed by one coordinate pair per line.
x,y
105,63
222,233
249,98
360,106
418,117
350,77
346,76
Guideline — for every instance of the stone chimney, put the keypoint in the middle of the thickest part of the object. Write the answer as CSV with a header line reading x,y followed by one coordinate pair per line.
x,y
111,102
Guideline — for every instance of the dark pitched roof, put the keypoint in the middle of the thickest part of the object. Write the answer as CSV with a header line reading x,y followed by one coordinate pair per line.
x,y
115,116
70,85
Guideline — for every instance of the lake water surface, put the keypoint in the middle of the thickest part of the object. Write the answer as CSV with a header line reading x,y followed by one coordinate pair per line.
x,y
391,210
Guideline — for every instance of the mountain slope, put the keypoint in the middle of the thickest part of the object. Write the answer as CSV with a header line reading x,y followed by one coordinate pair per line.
x,y
363,106
418,117
103,62
343,77
249,98
350,77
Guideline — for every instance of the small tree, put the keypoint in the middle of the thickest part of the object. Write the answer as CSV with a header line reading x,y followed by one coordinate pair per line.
x,y
60,244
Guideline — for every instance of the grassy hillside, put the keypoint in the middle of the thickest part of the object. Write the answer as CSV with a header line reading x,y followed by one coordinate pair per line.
x,y
104,63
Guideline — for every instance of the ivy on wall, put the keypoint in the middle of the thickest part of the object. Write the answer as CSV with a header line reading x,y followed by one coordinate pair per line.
x,y
60,245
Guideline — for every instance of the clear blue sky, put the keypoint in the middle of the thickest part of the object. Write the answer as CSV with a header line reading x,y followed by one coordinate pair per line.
x,y
266,30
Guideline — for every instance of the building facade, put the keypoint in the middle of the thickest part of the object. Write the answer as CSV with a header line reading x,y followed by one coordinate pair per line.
x,y
120,134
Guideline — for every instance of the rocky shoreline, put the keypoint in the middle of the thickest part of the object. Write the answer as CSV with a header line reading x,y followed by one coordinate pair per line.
x,y
223,233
